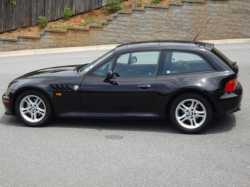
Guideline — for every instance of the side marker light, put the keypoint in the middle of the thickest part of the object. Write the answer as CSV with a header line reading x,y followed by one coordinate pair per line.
x,y
58,94
6,101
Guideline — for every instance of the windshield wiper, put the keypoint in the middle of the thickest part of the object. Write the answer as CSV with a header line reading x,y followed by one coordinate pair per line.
x,y
79,68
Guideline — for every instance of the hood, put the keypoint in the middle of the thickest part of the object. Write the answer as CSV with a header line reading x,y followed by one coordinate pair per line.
x,y
61,71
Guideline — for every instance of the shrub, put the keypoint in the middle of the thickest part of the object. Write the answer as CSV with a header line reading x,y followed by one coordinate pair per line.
x,y
42,21
90,20
67,13
139,3
112,6
12,1
156,1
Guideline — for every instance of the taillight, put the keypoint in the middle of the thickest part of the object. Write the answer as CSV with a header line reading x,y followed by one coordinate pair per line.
x,y
231,85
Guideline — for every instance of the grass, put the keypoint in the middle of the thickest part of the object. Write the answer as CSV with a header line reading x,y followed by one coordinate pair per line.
x,y
89,21
156,1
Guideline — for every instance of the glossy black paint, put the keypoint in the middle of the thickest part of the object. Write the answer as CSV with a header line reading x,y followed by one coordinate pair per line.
x,y
130,97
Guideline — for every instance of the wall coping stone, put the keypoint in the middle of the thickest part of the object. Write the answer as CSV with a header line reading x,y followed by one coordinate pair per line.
x,y
156,7
8,39
175,4
138,9
95,26
109,19
105,23
28,37
220,0
124,12
79,29
56,31
194,1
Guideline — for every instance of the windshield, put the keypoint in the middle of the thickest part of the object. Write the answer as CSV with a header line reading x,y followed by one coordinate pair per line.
x,y
91,65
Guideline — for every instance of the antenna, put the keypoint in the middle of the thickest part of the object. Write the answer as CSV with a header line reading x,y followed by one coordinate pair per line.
x,y
201,30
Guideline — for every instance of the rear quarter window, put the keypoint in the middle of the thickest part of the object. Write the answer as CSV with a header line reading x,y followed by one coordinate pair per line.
x,y
176,62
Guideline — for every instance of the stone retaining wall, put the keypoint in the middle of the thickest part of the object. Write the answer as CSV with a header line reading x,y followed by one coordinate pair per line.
x,y
229,19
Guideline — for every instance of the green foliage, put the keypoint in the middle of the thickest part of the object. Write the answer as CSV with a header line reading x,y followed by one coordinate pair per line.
x,y
12,1
90,20
67,13
156,1
139,3
63,27
42,21
112,6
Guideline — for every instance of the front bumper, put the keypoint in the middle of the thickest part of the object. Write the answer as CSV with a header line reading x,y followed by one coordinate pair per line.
x,y
230,102
8,106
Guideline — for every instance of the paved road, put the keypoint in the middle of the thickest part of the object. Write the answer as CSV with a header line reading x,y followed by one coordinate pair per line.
x,y
122,153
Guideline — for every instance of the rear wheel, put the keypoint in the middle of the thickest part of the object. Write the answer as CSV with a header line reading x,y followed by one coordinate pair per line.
x,y
191,113
33,108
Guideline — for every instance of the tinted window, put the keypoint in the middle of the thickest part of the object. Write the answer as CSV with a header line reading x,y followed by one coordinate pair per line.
x,y
183,62
123,59
139,64
103,70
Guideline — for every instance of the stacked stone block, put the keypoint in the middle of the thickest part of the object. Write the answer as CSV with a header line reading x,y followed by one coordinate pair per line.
x,y
228,19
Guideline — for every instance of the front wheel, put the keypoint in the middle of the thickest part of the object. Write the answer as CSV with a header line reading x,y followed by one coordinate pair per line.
x,y
33,108
191,113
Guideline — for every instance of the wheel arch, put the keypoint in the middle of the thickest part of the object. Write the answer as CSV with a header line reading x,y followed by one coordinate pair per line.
x,y
31,89
181,92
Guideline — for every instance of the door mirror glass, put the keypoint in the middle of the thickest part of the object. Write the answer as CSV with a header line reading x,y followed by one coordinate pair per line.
x,y
109,74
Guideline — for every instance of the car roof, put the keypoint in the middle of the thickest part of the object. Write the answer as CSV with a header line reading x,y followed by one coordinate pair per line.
x,y
181,45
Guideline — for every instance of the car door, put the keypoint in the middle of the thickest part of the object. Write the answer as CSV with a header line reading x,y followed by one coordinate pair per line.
x,y
130,90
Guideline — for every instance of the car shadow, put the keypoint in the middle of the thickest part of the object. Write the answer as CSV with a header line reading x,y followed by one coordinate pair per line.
x,y
220,124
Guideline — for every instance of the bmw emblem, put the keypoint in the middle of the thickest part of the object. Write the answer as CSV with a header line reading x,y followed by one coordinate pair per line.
x,y
76,87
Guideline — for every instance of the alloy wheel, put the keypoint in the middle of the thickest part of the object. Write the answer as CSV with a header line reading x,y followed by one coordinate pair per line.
x,y
32,108
190,113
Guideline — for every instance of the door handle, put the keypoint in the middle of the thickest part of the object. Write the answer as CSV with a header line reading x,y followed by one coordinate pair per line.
x,y
144,86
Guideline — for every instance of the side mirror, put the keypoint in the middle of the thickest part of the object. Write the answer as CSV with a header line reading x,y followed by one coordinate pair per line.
x,y
108,76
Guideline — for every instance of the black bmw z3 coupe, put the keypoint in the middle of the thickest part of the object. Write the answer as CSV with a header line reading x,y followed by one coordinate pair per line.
x,y
184,81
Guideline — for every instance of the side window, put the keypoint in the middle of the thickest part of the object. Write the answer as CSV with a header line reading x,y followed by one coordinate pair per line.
x,y
138,64
183,62
103,70
123,59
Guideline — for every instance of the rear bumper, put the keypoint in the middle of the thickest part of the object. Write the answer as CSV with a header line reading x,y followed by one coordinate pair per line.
x,y
230,102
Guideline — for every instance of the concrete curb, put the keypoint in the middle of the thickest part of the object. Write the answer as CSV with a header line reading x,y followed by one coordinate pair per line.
x,y
56,50
99,47
227,41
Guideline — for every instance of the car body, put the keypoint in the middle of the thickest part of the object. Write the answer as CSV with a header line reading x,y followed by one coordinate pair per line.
x,y
137,80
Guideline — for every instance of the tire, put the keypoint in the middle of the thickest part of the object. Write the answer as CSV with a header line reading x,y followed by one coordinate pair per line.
x,y
191,113
33,109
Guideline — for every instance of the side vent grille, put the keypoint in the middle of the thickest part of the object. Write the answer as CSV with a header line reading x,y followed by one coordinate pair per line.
x,y
61,88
